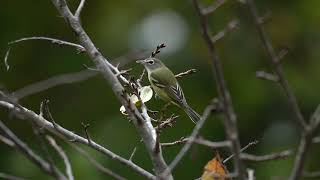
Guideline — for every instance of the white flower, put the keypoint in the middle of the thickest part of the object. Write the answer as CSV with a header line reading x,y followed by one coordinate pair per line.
x,y
146,94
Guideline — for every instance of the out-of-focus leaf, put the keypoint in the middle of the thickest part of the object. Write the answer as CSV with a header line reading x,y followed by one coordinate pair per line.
x,y
214,170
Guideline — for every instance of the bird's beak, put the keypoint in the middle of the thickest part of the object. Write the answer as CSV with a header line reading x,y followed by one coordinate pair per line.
x,y
141,61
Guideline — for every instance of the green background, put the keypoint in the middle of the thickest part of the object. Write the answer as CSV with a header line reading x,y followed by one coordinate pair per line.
x,y
261,107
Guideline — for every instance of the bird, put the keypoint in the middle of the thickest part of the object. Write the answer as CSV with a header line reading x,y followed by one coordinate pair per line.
x,y
166,86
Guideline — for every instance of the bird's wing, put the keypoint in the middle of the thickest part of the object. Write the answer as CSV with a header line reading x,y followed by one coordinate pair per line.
x,y
166,81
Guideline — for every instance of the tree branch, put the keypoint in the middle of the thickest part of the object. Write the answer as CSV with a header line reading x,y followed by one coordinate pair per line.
x,y
230,120
63,155
27,151
66,134
143,126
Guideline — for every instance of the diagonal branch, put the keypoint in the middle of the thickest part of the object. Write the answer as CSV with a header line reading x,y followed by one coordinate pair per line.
x,y
63,155
32,156
274,60
144,127
66,134
95,163
188,144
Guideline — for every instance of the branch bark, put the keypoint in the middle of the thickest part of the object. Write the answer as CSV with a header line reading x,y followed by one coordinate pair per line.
x,y
144,127
68,135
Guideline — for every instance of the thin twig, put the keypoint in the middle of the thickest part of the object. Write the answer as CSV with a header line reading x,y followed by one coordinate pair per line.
x,y
274,59
268,157
242,150
231,26
200,141
187,146
266,76
187,72
214,6
40,86
80,7
95,163
63,155
157,50
53,40
6,141
85,127
133,153
6,59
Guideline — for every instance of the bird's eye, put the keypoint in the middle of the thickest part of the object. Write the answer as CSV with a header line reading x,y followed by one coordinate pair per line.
x,y
151,62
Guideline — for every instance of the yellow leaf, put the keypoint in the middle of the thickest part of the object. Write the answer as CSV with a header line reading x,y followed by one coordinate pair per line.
x,y
214,170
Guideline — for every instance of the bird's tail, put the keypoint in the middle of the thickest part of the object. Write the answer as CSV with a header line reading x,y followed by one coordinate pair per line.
x,y
194,116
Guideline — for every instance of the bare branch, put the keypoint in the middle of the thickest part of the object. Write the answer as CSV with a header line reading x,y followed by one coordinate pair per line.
x,y
274,59
188,144
85,127
6,59
268,157
231,26
230,118
80,7
200,141
63,155
133,153
10,177
37,87
6,141
267,76
53,40
66,134
190,71
214,6
25,150
242,150
144,126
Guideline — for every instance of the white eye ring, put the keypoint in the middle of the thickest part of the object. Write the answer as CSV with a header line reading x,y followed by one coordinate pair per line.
x,y
151,62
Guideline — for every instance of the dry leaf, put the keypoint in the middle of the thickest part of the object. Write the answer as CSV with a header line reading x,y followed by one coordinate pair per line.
x,y
214,170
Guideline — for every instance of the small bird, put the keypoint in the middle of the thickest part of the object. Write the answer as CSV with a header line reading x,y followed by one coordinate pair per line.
x,y
166,86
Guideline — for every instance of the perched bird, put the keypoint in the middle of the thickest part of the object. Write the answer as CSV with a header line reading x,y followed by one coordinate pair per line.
x,y
165,84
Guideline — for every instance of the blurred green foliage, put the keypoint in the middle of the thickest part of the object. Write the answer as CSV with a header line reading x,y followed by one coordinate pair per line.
x,y
261,107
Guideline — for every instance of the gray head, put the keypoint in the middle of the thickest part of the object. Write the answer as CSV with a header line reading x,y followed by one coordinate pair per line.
x,y
151,63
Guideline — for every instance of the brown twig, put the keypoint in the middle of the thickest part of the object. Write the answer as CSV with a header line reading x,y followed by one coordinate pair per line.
x,y
157,50
85,127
